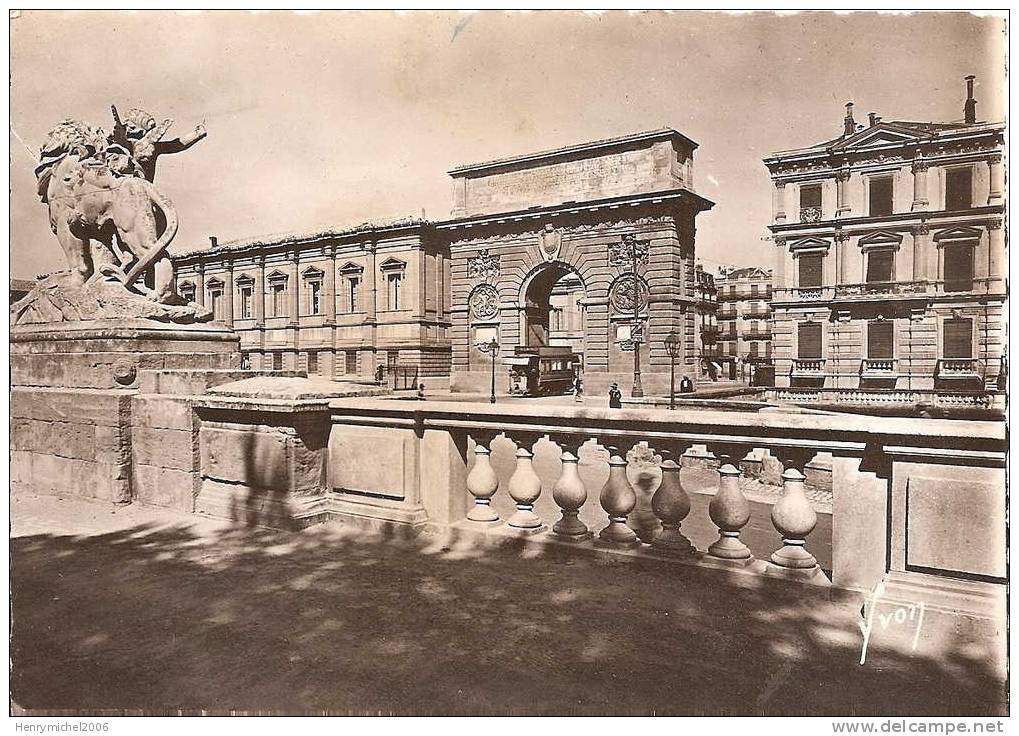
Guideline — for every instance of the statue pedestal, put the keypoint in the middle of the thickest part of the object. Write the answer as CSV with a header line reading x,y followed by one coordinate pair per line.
x,y
74,428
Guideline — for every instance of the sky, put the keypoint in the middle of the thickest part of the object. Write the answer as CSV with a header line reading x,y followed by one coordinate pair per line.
x,y
326,120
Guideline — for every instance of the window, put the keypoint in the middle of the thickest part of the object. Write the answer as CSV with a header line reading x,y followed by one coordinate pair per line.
x,y
312,361
958,267
393,284
216,301
755,291
808,343
810,270
277,361
881,196
959,189
278,294
958,338
880,265
246,292
810,203
755,349
315,297
350,362
810,196
880,336
353,282
187,291
392,358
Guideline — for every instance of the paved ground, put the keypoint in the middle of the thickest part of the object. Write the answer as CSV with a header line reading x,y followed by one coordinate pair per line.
x,y
135,608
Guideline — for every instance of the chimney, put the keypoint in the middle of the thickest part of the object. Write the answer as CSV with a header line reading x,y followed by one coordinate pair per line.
x,y
971,104
872,118
850,126
214,241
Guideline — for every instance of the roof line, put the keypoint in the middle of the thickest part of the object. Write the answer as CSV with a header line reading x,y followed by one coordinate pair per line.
x,y
658,133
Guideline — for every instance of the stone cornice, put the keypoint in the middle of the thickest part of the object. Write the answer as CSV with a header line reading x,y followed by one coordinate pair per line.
x,y
616,205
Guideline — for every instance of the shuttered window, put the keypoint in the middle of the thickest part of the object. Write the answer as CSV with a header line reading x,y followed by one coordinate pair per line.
x,y
880,265
350,362
958,338
959,189
879,339
959,267
810,270
881,196
808,343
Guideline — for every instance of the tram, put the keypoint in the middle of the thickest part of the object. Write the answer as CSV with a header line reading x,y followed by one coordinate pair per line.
x,y
542,371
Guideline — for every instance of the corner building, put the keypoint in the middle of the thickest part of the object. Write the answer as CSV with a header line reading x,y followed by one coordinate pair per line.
x,y
890,276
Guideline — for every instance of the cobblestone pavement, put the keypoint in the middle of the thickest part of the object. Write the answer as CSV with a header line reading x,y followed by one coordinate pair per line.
x,y
153,611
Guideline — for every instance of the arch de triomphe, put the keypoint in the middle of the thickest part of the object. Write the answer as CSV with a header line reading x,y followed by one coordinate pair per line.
x,y
520,224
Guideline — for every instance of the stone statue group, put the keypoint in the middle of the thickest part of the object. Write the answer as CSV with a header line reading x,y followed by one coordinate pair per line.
x,y
113,223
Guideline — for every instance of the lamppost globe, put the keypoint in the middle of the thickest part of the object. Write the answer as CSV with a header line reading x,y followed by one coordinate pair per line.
x,y
672,344
672,348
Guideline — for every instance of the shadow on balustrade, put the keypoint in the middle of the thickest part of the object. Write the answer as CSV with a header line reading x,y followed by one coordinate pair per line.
x,y
174,617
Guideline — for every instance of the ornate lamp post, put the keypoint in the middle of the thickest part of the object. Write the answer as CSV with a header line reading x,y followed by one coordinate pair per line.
x,y
672,341
630,251
491,348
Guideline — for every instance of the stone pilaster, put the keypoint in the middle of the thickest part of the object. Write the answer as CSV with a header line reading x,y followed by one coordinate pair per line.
x,y
229,296
200,291
921,239
996,171
779,202
842,193
920,198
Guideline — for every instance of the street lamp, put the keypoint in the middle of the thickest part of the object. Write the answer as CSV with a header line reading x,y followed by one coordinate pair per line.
x,y
672,341
491,348
630,251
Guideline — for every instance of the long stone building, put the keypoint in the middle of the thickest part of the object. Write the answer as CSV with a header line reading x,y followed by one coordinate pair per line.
x,y
334,303
890,277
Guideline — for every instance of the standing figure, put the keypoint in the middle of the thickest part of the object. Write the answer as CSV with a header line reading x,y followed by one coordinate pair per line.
x,y
578,389
686,385
615,397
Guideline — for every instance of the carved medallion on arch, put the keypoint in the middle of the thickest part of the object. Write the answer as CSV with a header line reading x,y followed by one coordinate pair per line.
x,y
627,293
484,302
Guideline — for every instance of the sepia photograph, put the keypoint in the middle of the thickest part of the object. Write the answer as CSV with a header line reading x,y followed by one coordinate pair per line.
x,y
509,363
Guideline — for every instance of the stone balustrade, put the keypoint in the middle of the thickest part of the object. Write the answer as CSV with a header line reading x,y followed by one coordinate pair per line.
x,y
438,463
889,397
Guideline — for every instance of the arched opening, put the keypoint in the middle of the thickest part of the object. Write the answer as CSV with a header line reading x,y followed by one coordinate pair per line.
x,y
553,314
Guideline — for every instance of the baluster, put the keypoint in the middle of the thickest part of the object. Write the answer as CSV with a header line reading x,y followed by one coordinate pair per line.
x,y
482,482
729,509
525,487
793,516
617,498
569,493
641,470
671,504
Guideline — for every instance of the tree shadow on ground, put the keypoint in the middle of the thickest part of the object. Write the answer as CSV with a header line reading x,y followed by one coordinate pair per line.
x,y
168,617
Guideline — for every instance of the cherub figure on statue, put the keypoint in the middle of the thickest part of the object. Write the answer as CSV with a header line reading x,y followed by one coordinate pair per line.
x,y
143,138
